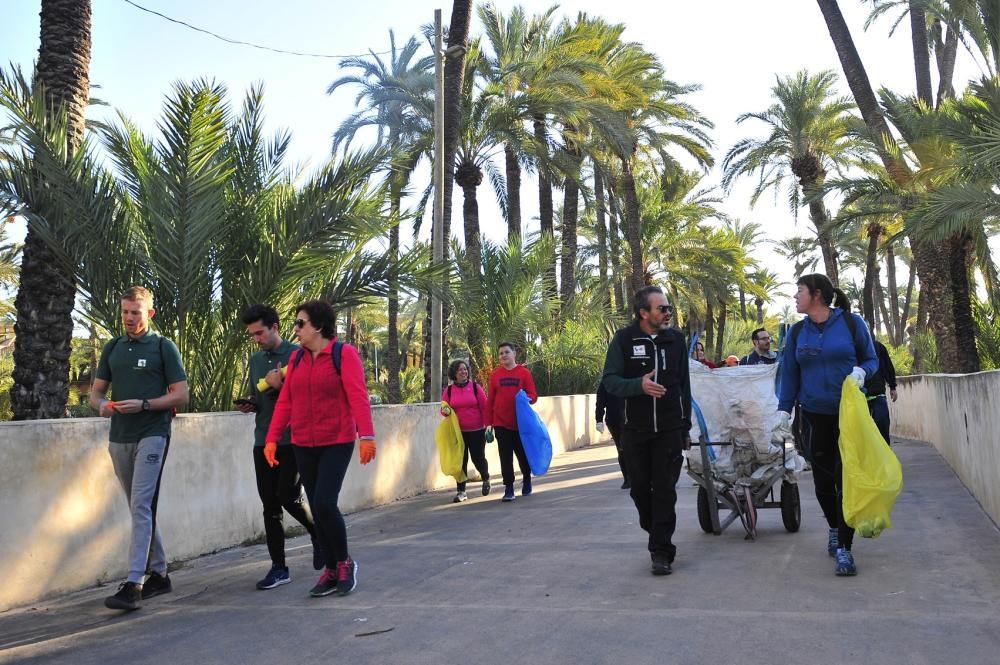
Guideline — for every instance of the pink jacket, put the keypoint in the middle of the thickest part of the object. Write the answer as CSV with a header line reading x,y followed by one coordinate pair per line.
x,y
321,407
469,404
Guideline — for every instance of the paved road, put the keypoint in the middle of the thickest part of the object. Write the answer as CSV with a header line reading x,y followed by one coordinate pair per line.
x,y
563,577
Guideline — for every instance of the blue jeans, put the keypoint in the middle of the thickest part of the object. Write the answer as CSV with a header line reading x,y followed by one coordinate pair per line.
x,y
879,408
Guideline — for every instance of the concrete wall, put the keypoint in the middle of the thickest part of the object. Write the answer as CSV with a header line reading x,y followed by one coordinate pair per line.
x,y
64,522
959,415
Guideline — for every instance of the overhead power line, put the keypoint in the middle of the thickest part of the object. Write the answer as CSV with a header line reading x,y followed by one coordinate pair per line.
x,y
251,45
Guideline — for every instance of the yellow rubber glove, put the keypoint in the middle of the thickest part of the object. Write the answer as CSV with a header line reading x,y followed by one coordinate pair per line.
x,y
367,450
271,453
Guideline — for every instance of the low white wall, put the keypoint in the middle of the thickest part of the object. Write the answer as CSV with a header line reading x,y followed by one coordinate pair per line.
x,y
958,414
64,522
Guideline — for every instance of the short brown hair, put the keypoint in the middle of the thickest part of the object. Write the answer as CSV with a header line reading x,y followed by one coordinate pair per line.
x,y
139,294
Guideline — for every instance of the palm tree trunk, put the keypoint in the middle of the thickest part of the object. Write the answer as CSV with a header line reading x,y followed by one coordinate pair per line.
x,y
470,211
392,347
946,56
934,261
883,309
760,310
743,303
965,324
921,52
709,327
890,273
821,220
513,195
45,296
545,214
633,227
571,213
720,340
602,229
617,286
871,268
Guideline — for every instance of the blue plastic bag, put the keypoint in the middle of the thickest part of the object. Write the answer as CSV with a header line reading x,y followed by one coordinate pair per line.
x,y
534,435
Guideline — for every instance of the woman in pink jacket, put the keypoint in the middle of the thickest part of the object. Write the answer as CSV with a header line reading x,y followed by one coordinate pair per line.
x,y
468,400
325,400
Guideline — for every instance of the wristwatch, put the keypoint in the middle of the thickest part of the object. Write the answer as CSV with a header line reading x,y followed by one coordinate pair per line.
x,y
145,405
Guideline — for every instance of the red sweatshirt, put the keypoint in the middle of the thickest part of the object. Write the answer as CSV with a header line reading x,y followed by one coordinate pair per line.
x,y
504,384
323,408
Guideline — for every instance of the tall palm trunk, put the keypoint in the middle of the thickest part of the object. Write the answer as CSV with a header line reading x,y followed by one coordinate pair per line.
x,y
45,296
602,229
809,170
469,177
633,227
392,347
720,340
759,302
545,213
908,300
513,194
921,52
883,309
571,212
890,274
945,51
934,260
871,270
709,327
743,303
617,285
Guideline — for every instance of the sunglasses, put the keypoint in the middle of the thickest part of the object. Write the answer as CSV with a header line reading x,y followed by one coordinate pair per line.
x,y
300,323
665,309
763,339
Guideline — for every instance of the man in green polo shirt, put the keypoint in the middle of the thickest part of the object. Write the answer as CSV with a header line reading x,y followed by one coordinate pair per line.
x,y
148,382
278,486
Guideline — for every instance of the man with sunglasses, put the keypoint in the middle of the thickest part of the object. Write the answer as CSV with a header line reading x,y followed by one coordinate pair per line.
x,y
647,365
762,353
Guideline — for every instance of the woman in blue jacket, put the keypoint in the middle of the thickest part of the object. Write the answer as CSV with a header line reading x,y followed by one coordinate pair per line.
x,y
827,346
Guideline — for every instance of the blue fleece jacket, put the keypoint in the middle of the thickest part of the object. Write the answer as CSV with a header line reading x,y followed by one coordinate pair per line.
x,y
814,371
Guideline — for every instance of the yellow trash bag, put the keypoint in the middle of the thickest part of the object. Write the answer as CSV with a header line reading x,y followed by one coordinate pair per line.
x,y
872,475
451,447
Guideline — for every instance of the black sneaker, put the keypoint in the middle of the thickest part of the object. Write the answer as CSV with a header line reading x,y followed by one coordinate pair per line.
x,y
661,566
275,577
486,486
156,585
347,576
128,597
626,485
318,559
327,584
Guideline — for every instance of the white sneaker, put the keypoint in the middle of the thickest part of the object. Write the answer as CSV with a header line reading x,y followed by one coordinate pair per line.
x,y
460,497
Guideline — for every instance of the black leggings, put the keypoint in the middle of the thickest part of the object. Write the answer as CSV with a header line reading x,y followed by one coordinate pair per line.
x,y
279,487
475,445
820,442
323,469
508,445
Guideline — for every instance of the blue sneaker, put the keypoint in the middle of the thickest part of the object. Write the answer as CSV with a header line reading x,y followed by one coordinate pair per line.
x,y
508,493
845,563
275,577
526,486
832,542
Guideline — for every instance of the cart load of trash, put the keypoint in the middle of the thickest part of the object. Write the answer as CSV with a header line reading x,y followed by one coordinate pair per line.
x,y
738,405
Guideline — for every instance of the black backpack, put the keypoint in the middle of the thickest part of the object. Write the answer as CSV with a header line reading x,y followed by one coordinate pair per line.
x,y
338,352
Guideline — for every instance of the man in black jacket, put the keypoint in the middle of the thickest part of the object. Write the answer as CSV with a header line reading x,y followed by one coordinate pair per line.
x,y
647,365
875,389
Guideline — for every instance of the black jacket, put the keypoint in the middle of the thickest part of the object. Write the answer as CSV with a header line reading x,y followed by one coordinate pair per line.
x,y
609,407
886,374
631,355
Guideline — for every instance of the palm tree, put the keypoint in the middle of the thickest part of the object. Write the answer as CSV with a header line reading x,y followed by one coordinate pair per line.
x,y
45,299
811,131
394,98
186,213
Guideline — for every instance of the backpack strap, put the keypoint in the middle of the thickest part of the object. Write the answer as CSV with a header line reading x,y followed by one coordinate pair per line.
x,y
449,393
338,355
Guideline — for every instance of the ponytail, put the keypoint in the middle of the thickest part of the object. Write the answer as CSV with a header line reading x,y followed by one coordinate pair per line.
x,y
840,300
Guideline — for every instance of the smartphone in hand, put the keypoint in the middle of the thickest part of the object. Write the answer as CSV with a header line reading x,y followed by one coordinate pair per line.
x,y
244,402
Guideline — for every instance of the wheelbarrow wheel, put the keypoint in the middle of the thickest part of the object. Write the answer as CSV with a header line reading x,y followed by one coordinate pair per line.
x,y
704,513
791,509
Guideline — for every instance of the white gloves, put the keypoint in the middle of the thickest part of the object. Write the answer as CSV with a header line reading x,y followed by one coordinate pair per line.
x,y
858,376
600,427
784,421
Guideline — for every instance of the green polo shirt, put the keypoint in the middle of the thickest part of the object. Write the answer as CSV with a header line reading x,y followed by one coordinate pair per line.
x,y
261,363
140,369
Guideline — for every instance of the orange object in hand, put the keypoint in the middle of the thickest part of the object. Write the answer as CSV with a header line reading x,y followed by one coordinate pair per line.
x,y
271,453
367,450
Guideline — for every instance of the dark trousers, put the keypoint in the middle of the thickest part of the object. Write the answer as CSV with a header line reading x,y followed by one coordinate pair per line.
x,y
616,436
475,446
820,436
323,469
879,408
280,488
508,445
654,462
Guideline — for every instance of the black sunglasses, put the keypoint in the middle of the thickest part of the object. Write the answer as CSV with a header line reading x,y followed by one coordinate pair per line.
x,y
665,309
300,323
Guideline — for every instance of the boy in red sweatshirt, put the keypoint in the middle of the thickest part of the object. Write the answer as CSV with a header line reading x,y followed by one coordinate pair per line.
x,y
505,382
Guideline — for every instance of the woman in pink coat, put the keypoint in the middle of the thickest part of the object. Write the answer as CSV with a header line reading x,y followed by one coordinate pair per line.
x,y
468,400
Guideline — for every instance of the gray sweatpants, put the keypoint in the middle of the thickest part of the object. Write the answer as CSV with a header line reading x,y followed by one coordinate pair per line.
x,y
139,467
